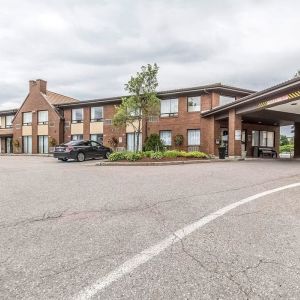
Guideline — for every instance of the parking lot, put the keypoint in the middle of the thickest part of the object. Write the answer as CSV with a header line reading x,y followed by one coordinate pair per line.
x,y
79,231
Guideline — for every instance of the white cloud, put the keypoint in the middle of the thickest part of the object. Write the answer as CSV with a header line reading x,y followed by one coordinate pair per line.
x,y
88,49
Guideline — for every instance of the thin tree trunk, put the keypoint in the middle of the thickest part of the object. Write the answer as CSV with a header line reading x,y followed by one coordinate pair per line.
x,y
138,136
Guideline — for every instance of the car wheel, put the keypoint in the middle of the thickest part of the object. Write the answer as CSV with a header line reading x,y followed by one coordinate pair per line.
x,y
65,159
80,157
107,154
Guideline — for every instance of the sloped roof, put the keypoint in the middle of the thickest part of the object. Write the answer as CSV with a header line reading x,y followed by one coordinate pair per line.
x,y
55,99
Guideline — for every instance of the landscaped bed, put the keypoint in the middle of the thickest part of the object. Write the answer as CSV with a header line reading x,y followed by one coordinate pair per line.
x,y
149,156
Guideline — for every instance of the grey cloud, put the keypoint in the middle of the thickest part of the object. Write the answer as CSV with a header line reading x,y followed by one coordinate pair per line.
x,y
89,49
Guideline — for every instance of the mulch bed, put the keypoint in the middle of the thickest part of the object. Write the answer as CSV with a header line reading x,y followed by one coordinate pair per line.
x,y
147,159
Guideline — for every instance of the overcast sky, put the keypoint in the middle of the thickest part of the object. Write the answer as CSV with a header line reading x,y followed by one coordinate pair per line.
x,y
89,49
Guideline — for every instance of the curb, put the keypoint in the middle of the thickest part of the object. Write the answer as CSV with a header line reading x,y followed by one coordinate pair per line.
x,y
23,154
165,163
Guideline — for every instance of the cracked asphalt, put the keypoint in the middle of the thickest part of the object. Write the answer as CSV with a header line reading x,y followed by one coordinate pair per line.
x,y
65,225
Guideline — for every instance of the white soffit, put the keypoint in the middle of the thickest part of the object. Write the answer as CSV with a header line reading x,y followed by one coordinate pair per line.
x,y
292,107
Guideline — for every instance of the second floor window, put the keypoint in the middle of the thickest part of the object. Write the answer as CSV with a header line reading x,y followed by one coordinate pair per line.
x,y
194,104
77,115
43,117
97,114
8,121
27,118
169,107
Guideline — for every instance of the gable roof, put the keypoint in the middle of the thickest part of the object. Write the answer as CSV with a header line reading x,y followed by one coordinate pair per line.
x,y
55,98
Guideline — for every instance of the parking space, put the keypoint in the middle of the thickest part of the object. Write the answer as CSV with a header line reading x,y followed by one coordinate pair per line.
x,y
66,226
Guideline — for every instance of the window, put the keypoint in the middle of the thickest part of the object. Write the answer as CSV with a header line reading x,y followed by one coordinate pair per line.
x,y
27,118
132,141
77,137
43,143
77,115
194,104
193,137
169,107
8,121
263,138
43,117
27,144
97,137
97,114
255,138
270,138
226,100
166,137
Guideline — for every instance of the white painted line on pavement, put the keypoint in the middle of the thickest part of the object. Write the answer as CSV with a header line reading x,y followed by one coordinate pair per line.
x,y
144,256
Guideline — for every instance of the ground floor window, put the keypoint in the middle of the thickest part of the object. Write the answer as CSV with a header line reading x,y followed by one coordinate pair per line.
x,y
166,137
194,137
27,144
263,138
97,138
77,137
132,141
43,143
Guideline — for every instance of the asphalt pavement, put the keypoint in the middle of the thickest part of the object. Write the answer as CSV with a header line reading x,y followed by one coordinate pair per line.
x,y
66,228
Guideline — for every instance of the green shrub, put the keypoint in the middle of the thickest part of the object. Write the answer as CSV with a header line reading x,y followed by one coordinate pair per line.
x,y
153,143
147,153
196,154
171,154
157,155
287,148
133,156
117,156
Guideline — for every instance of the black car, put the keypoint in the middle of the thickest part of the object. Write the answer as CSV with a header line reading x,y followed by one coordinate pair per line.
x,y
81,150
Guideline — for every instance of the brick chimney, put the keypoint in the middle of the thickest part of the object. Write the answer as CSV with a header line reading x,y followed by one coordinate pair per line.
x,y
38,85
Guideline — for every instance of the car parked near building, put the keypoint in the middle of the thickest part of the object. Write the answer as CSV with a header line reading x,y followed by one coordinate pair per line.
x,y
81,150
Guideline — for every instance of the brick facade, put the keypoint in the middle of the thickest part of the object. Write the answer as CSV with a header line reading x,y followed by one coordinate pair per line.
x,y
59,125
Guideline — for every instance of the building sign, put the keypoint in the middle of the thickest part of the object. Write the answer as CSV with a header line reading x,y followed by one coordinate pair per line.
x,y
238,135
290,96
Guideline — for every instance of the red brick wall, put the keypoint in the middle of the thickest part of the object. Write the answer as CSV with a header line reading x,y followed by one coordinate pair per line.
x,y
33,103
249,127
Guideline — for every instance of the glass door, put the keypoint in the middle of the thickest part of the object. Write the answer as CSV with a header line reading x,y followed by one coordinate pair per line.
x,y
9,148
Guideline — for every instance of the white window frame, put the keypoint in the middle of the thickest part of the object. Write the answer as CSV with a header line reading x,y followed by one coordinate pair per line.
x,y
93,113
97,138
167,139
9,123
43,117
169,107
74,117
27,118
198,139
194,107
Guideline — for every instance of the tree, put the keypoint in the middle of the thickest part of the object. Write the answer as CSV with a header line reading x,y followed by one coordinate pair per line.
x,y
297,74
141,103
284,140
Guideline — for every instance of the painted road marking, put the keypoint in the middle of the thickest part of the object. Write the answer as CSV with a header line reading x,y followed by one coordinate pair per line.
x,y
144,256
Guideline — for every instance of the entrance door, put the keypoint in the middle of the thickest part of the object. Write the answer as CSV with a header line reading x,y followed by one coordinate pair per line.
x,y
9,148
27,144
224,138
244,140
132,141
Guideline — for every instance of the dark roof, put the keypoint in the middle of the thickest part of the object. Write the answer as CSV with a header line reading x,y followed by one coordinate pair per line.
x,y
256,96
225,89
8,112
